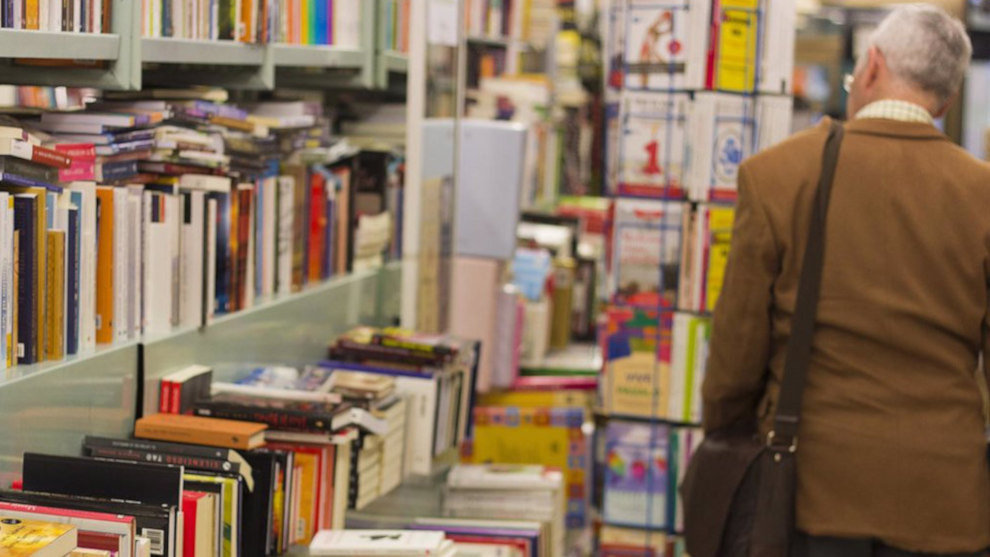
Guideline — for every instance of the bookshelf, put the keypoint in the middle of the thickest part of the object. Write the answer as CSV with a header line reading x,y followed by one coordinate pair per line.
x,y
389,63
127,61
49,407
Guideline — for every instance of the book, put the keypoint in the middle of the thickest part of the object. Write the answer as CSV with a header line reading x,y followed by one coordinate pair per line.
x,y
181,389
636,480
200,431
653,145
55,296
199,530
646,244
376,542
157,523
636,344
276,413
121,529
664,46
23,538
156,484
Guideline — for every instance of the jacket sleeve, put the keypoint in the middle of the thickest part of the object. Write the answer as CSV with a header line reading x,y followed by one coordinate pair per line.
x,y
740,344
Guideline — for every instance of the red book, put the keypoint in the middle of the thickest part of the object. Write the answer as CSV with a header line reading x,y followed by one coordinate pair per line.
x,y
50,157
245,208
165,397
98,540
317,226
197,536
77,151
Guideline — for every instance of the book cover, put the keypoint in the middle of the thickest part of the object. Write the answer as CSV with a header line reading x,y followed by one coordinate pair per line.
x,y
27,224
200,431
652,145
646,253
657,37
23,538
636,475
724,133
735,39
636,348
718,237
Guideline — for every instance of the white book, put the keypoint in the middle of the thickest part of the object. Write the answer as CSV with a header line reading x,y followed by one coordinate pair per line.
x,y
517,477
377,542
98,18
210,295
122,263
286,210
347,23
724,134
87,265
45,18
777,65
63,206
157,266
205,182
135,243
341,483
773,120
268,197
678,376
77,25
192,244
421,421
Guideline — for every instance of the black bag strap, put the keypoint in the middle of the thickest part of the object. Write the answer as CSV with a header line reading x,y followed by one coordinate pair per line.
x,y
788,415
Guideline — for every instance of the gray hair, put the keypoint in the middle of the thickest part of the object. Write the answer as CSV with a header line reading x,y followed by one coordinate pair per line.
x,y
926,47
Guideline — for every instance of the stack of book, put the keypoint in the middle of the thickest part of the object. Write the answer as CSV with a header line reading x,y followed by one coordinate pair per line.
x,y
209,206
537,427
491,537
516,492
434,374
400,543
377,458
309,22
72,16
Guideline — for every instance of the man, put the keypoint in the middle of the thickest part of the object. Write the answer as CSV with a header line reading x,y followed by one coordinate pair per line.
x,y
891,452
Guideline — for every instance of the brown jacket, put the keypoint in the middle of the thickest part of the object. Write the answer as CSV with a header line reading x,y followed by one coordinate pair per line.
x,y
891,442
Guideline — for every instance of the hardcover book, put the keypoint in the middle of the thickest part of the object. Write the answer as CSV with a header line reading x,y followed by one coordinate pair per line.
x,y
646,253
637,485
652,145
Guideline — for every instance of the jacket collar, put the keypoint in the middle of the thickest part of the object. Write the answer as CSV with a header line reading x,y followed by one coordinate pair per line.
x,y
894,128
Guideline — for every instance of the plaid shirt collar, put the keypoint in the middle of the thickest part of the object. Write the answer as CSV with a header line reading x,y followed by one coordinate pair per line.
x,y
891,109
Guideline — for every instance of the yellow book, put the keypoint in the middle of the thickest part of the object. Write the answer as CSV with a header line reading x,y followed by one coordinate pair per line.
x,y
738,33
532,399
720,220
31,11
548,436
34,538
305,526
55,298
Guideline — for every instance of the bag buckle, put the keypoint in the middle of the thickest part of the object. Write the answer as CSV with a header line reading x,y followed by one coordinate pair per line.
x,y
773,445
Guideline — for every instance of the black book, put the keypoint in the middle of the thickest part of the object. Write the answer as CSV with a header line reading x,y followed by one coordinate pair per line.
x,y
28,169
123,452
158,523
197,451
153,484
28,268
282,418
256,521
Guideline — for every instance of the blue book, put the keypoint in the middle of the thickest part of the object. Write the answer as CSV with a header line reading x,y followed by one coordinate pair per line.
x,y
72,255
114,171
223,268
320,23
25,211
25,182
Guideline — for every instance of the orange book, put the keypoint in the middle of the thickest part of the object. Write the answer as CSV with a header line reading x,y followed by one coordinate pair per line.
x,y
343,232
196,430
31,20
104,267
248,19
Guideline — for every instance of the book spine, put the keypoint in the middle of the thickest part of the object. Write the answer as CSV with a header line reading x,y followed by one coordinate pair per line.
x,y
73,270
27,280
50,157
274,418
164,396
193,462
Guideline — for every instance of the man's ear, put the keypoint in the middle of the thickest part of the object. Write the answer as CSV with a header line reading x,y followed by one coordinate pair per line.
x,y
875,66
946,106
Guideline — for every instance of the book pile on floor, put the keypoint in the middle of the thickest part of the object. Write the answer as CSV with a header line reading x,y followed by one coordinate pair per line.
x,y
210,206
305,22
691,90
506,491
